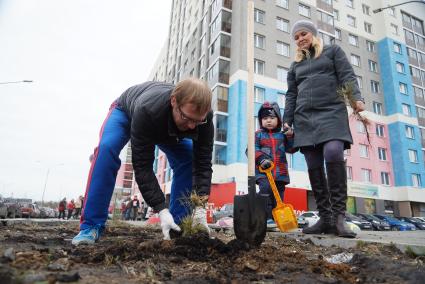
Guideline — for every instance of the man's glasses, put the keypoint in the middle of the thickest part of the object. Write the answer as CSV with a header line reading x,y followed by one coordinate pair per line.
x,y
189,120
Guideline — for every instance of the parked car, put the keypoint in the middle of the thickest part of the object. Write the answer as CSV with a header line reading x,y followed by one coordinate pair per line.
x,y
377,224
30,210
361,223
418,224
420,218
13,209
311,217
225,211
396,225
302,222
3,209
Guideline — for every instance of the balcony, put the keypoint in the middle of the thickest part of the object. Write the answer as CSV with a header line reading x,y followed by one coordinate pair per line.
x,y
223,106
326,27
221,135
324,6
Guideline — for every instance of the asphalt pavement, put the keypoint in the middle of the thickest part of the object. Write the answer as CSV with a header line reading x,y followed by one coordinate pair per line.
x,y
403,240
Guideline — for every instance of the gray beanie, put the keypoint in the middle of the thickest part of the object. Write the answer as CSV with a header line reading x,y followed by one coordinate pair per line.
x,y
304,25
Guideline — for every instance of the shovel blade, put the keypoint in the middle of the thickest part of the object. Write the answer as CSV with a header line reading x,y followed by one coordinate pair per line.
x,y
285,218
250,218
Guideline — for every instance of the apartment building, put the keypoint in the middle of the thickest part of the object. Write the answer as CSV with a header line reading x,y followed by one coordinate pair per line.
x,y
385,166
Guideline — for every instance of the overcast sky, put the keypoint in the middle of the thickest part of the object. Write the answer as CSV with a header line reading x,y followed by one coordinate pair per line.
x,y
81,55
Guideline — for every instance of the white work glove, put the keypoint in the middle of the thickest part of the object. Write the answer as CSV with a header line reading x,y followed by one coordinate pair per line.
x,y
200,217
167,223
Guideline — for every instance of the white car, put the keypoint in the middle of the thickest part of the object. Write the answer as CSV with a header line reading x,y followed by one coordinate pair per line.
x,y
311,217
420,218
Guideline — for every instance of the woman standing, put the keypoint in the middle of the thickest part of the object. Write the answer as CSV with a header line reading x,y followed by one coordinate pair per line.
x,y
320,120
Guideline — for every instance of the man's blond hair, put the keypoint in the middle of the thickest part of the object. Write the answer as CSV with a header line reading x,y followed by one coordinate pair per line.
x,y
301,54
194,91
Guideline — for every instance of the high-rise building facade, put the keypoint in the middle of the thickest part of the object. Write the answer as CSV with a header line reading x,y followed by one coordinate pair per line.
x,y
386,172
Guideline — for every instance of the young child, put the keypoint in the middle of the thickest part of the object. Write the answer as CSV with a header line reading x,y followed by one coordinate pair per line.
x,y
270,146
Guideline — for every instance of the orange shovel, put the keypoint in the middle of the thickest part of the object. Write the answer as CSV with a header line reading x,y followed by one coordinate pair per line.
x,y
283,214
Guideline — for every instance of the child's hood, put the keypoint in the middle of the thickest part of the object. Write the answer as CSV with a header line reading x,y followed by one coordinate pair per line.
x,y
275,107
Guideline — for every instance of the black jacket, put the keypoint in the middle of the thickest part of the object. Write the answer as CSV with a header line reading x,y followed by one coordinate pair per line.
x,y
148,106
313,106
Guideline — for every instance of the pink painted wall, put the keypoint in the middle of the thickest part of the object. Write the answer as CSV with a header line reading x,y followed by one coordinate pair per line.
x,y
373,163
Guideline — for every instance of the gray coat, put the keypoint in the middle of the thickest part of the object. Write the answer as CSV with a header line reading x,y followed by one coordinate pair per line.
x,y
313,106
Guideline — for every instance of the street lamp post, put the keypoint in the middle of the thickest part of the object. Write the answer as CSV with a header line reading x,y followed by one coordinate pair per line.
x,y
395,5
45,182
15,82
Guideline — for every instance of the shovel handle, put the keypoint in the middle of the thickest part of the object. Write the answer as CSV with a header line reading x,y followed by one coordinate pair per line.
x,y
268,173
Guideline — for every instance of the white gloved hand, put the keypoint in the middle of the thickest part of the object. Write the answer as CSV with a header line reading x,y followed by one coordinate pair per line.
x,y
167,223
200,217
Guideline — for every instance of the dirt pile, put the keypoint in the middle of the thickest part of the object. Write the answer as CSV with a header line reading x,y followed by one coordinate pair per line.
x,y
31,253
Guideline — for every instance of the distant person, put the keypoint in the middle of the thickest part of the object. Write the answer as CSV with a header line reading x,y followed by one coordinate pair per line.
x,y
70,207
135,204
320,119
78,206
271,146
61,208
176,118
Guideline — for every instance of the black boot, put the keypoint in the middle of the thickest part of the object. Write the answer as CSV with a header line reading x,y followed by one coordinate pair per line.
x,y
337,180
321,194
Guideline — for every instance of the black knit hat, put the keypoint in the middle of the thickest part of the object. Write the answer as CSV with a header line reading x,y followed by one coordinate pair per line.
x,y
265,112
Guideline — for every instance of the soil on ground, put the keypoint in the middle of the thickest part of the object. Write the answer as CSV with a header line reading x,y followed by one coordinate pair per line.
x,y
31,253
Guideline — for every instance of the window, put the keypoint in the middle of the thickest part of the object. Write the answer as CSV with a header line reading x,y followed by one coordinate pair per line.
x,y
377,108
353,40
366,9
382,154
304,10
338,34
373,66
379,130
410,132
259,16
374,86
359,81
349,173
355,60
259,41
336,14
413,156
417,26
259,94
347,152
281,99
366,175
282,48
394,29
282,73
419,93
349,3
360,127
400,67
282,3
397,47
259,67
406,109
391,11
385,178
327,39
416,180
368,27
326,18
351,21
370,46
364,151
282,24
403,88
416,73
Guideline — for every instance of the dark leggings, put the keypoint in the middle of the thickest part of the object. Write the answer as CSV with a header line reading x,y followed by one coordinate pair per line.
x,y
331,151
